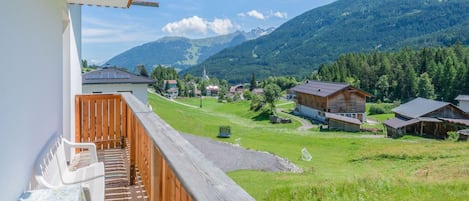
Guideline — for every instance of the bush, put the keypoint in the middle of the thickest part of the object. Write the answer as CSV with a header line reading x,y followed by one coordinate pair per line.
x,y
377,109
453,136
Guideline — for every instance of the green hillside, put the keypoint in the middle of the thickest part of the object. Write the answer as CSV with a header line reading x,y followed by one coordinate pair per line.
x,y
320,35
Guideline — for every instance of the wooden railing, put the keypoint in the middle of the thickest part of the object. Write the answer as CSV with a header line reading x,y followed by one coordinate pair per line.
x,y
170,167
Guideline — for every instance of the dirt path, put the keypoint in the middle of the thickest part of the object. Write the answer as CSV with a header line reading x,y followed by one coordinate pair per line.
x,y
172,100
230,157
305,123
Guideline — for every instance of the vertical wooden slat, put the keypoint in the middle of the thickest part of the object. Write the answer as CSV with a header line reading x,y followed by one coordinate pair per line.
x,y
164,183
112,120
99,119
177,189
86,123
156,168
92,121
105,131
78,120
118,125
124,120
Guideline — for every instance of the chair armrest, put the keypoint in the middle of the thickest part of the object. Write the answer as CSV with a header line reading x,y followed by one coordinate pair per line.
x,y
40,180
85,174
90,146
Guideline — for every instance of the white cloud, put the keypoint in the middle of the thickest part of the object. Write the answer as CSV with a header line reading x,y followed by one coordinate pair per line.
x,y
221,26
241,14
100,31
281,15
195,25
186,25
256,14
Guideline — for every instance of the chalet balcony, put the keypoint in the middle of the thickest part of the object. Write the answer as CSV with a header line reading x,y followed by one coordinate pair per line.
x,y
146,159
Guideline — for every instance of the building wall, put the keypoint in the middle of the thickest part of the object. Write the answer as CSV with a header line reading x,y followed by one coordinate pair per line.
x,y
464,105
346,101
311,113
138,90
31,86
311,101
71,71
448,112
342,126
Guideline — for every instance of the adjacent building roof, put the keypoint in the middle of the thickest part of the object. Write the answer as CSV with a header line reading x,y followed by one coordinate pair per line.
x,y
399,123
462,98
419,107
343,118
113,76
324,89
114,3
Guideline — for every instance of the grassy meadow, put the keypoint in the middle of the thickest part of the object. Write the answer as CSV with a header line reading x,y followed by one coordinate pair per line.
x,y
345,166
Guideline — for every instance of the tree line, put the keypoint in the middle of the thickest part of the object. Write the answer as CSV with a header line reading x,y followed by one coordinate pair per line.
x,y
435,73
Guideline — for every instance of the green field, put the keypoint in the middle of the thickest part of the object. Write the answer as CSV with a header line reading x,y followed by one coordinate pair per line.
x,y
345,166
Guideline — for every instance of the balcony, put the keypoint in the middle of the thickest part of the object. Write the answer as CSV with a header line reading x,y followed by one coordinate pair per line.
x,y
143,154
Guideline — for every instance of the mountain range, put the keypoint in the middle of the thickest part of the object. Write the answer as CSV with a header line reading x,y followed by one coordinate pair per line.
x,y
319,36
180,52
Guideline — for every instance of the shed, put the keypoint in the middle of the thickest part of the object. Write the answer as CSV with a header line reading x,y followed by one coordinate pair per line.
x,y
343,123
426,117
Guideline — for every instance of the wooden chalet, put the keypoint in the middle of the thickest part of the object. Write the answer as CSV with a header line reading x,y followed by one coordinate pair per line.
x,y
314,99
426,117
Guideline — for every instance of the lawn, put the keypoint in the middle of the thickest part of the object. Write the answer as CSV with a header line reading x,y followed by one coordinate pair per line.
x,y
345,166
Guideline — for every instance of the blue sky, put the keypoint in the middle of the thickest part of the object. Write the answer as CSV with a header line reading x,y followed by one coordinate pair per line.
x,y
107,32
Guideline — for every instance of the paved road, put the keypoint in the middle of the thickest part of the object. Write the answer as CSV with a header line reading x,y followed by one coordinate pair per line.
x,y
230,157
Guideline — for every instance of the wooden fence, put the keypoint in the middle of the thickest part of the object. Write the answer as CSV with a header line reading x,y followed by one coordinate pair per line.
x,y
170,167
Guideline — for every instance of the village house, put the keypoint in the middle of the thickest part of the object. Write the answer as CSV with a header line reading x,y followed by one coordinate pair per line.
x,y
315,99
258,91
426,117
239,88
111,80
212,90
171,88
463,102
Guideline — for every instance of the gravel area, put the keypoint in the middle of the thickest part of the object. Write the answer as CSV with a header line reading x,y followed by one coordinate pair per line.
x,y
230,157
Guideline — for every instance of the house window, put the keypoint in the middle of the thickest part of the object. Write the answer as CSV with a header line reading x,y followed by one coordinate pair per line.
x,y
97,92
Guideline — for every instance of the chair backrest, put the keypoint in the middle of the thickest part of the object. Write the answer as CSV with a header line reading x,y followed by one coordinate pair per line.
x,y
51,162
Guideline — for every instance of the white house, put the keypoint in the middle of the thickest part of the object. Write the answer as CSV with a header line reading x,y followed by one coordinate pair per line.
x,y
41,41
109,80
463,102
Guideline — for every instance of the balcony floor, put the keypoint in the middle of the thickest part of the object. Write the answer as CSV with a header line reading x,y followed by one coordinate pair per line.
x,y
117,171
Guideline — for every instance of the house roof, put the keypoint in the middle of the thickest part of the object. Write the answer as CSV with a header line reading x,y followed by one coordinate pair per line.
x,y
113,76
114,3
324,89
419,107
462,98
399,123
343,118
171,81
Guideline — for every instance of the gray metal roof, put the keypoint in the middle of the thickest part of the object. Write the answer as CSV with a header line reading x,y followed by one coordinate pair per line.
x,y
462,97
323,89
419,107
399,123
113,76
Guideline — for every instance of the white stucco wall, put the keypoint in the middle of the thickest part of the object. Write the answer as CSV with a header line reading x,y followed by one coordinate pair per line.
x,y
31,86
71,71
310,112
138,90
